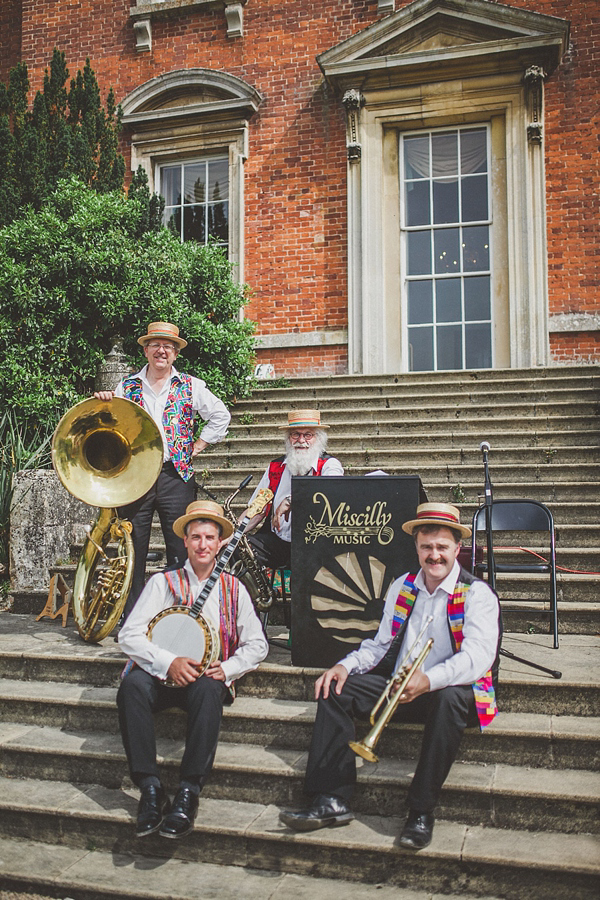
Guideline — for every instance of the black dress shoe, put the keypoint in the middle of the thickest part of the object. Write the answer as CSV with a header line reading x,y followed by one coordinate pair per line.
x,y
417,830
180,820
152,807
325,810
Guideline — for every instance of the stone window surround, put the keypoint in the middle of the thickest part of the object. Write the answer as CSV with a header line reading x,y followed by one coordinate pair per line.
x,y
160,135
498,82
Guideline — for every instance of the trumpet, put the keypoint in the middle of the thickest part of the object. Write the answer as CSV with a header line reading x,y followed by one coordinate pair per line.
x,y
391,696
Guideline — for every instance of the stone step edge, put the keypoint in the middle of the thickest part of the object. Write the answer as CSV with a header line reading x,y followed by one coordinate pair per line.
x,y
550,851
131,876
513,778
302,712
301,673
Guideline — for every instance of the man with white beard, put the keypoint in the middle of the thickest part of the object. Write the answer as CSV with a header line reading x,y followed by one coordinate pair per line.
x,y
305,443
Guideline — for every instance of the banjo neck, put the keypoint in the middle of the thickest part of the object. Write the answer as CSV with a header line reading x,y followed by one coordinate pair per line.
x,y
225,556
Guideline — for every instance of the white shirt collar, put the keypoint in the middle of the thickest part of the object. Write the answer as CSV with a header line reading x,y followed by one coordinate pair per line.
x,y
143,374
448,584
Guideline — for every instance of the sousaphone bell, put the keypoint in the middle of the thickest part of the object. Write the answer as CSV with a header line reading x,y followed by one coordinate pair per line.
x,y
106,454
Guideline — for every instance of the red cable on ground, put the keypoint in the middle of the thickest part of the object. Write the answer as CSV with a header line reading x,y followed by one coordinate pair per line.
x,y
562,568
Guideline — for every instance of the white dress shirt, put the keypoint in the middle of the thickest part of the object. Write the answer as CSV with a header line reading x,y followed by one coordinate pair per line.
x,y
212,410
332,466
156,596
442,666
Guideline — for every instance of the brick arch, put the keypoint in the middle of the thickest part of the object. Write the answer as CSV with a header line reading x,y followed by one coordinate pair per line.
x,y
220,89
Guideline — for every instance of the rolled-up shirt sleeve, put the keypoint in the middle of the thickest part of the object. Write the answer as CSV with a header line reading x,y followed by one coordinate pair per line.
x,y
212,410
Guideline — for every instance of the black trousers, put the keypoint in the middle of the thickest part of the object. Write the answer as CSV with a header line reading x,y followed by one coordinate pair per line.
x,y
331,767
270,550
141,695
169,496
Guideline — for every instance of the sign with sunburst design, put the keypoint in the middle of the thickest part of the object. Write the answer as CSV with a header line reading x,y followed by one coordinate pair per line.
x,y
347,548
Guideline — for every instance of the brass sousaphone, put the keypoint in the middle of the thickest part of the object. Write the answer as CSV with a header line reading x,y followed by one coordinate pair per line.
x,y
106,454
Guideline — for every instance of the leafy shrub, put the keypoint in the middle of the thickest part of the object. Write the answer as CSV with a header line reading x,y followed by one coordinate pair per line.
x,y
80,271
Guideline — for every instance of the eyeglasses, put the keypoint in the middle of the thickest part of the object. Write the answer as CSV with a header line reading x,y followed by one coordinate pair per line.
x,y
159,345
298,435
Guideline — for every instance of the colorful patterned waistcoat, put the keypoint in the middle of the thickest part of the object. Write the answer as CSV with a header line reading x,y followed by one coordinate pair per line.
x,y
178,419
483,689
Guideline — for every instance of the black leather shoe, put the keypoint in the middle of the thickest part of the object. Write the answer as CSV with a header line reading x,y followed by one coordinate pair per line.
x,y
325,810
153,806
417,830
180,820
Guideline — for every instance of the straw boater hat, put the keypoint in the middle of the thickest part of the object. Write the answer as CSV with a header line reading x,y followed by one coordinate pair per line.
x,y
437,514
203,509
303,418
163,330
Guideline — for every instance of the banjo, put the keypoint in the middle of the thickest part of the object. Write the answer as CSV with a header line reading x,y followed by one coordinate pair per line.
x,y
183,630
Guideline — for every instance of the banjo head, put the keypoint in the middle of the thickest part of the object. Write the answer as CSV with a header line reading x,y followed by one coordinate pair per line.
x,y
176,630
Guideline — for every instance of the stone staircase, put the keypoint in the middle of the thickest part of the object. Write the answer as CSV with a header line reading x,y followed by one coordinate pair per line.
x,y
518,814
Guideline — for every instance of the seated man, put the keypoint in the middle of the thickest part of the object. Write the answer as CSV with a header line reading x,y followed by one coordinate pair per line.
x,y
305,443
454,687
203,529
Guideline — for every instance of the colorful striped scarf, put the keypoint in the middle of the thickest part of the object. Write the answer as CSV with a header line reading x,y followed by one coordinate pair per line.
x,y
483,688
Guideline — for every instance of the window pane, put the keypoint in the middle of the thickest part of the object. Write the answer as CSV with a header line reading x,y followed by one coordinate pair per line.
x,y
419,253
445,202
420,349
416,157
477,298
479,346
476,248
417,203
218,214
172,219
420,302
194,183
446,251
474,198
473,151
444,153
449,347
193,224
170,185
447,300
218,180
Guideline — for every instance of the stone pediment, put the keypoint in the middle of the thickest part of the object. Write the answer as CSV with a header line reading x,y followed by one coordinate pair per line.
x,y
189,92
432,39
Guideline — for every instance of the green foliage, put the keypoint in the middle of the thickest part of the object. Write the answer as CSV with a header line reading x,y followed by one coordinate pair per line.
x,y
83,269
22,446
65,133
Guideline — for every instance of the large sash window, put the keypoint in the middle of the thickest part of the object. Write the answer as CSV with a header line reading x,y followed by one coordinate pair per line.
x,y
197,200
446,230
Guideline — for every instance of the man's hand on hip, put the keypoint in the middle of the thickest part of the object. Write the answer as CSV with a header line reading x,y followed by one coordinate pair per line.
x,y
198,447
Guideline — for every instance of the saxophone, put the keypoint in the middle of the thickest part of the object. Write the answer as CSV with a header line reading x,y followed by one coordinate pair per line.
x,y
247,568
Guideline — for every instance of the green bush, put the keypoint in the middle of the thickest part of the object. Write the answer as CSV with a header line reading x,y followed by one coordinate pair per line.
x,y
81,270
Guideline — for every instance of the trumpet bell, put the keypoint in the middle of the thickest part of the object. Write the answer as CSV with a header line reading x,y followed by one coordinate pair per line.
x,y
362,749
107,454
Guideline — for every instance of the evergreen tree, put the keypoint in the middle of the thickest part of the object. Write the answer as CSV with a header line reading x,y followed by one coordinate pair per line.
x,y
65,133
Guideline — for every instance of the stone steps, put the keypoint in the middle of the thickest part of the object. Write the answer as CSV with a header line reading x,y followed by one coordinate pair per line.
x,y
400,456
398,409
528,739
492,794
461,859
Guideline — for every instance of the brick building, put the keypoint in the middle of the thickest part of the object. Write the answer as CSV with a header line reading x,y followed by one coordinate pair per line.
x,y
402,185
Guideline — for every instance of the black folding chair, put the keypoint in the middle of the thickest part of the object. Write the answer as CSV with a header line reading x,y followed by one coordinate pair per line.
x,y
517,515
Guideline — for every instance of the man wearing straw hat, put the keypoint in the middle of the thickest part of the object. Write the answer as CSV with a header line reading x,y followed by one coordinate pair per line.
x,y
453,688
172,399
243,646
305,444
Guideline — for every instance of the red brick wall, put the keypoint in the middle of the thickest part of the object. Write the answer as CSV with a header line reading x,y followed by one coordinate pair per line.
x,y
10,36
332,360
577,347
295,224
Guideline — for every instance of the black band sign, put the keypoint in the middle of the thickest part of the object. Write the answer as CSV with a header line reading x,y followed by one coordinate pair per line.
x,y
347,547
